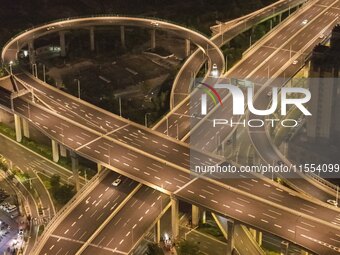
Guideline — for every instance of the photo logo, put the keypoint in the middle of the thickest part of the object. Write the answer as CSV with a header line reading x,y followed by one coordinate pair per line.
x,y
238,98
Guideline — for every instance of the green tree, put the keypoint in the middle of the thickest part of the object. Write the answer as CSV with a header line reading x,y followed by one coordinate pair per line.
x,y
186,247
154,249
64,193
55,182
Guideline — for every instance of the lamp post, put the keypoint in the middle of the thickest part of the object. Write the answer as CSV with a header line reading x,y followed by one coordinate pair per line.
x,y
146,118
78,84
10,67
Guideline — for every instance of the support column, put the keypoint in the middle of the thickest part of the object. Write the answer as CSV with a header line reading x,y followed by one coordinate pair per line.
x,y
187,47
153,39
75,169
92,38
26,129
31,53
158,232
230,245
174,218
63,151
55,151
122,36
284,248
195,215
99,167
204,217
304,252
259,238
62,43
280,17
17,123
253,232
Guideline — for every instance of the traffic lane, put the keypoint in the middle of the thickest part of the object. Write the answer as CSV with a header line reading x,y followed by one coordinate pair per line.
x,y
132,220
77,109
67,133
95,208
135,164
60,246
265,190
295,228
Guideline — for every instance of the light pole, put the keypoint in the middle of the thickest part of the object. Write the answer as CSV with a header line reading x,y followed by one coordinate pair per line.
x,y
167,126
44,72
120,106
78,84
10,67
146,118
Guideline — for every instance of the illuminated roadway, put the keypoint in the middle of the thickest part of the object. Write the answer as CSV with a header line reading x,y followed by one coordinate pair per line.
x,y
68,131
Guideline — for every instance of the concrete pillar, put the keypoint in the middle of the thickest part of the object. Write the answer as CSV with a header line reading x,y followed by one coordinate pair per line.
x,y
158,232
99,167
55,151
17,123
230,245
63,151
62,43
284,248
122,36
304,252
280,17
92,38
204,217
75,169
153,39
259,238
31,52
187,47
195,215
174,218
26,129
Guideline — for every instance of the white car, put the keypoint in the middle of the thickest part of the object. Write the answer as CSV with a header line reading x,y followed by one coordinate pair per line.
x,y
270,93
295,62
116,182
332,202
305,22
321,36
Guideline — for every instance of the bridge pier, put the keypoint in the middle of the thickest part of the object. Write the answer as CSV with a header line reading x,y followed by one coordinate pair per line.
x,y
62,43
195,216
92,44
187,47
63,151
153,38
99,167
31,54
55,151
230,232
259,238
304,252
158,232
174,218
204,217
284,248
122,36
17,124
75,169
26,129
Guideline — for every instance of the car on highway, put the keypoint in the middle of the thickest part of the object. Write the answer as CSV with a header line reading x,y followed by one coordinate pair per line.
x,y
304,22
332,202
295,62
321,36
214,71
270,93
116,182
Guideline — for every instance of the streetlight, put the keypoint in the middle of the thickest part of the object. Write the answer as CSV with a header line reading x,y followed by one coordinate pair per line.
x,y
78,83
10,67
146,118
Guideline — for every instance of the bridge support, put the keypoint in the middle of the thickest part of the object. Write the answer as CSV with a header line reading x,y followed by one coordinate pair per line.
x,y
259,238
174,218
187,47
284,248
230,245
153,39
195,215
17,124
280,17
31,54
62,43
75,169
55,151
304,252
158,232
63,151
99,167
26,129
204,217
122,36
92,39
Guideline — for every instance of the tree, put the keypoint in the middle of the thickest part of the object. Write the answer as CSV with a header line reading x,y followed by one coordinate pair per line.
x,y
154,249
55,182
64,193
186,247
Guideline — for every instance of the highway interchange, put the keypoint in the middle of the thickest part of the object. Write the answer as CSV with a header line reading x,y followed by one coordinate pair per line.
x,y
82,138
